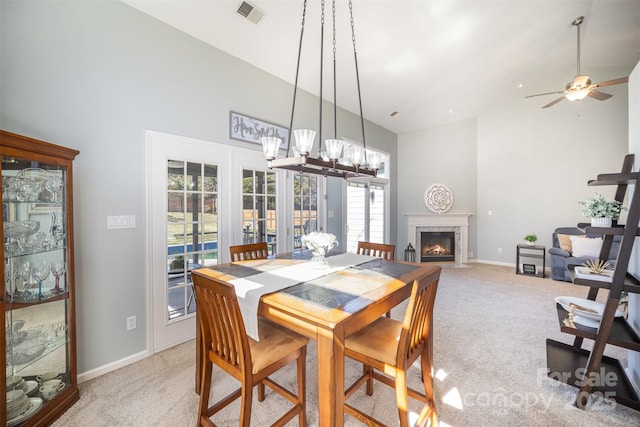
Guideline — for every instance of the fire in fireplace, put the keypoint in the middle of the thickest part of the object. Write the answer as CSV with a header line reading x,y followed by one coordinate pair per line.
x,y
437,246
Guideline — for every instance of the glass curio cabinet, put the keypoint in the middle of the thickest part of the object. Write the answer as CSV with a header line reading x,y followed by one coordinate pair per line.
x,y
38,337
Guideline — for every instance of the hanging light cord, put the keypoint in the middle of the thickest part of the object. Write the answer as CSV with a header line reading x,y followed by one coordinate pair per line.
x,y
295,84
321,67
335,98
355,56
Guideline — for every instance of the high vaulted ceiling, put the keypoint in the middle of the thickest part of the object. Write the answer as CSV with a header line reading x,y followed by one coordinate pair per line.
x,y
431,61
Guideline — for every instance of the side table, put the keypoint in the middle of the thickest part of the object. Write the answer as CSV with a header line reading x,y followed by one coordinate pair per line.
x,y
532,256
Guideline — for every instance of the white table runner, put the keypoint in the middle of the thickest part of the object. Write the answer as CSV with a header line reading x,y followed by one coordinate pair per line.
x,y
250,289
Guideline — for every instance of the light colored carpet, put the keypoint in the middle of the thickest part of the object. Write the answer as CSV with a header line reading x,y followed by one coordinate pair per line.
x,y
490,331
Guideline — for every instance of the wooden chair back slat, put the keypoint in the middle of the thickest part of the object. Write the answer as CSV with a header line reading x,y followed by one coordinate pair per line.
x,y
380,250
222,327
417,323
249,251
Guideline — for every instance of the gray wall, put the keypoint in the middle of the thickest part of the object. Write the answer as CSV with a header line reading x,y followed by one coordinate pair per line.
x,y
94,76
446,155
528,166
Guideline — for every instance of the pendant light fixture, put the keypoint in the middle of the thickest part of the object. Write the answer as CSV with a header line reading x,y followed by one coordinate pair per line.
x,y
337,157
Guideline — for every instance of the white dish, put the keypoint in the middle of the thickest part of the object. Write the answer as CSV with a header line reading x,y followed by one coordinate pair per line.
x,y
36,404
598,307
584,321
31,387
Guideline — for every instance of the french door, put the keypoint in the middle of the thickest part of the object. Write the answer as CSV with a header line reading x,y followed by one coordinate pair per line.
x,y
185,209
366,212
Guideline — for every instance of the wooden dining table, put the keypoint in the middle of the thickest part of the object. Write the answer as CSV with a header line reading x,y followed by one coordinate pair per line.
x,y
327,309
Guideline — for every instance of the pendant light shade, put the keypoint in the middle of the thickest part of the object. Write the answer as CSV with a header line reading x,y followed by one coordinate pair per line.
x,y
334,148
304,140
334,159
270,146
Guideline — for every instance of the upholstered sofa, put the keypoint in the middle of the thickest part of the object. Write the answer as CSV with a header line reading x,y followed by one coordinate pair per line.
x,y
563,253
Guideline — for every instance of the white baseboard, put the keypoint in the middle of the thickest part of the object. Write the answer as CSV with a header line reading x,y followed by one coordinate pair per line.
x,y
504,264
86,376
547,270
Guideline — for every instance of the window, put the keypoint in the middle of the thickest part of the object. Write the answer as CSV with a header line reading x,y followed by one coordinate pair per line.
x,y
305,207
192,229
259,208
366,212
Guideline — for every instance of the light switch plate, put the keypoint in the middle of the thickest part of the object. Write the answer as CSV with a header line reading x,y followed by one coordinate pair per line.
x,y
121,221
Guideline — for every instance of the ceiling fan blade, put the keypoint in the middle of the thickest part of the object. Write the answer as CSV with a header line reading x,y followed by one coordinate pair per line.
x,y
613,82
541,94
551,104
600,96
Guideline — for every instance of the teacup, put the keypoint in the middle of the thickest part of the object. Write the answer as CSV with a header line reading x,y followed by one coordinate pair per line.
x,y
47,376
49,392
56,383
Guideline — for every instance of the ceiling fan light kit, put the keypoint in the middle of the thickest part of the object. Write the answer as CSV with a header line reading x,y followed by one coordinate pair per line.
x,y
339,158
581,86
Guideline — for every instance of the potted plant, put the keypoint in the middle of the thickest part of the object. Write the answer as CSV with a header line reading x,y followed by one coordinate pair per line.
x,y
531,239
601,211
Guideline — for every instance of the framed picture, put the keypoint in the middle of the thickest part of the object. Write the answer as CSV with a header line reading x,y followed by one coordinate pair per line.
x,y
250,129
528,269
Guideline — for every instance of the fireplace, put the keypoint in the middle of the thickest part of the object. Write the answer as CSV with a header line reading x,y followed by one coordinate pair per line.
x,y
456,224
437,246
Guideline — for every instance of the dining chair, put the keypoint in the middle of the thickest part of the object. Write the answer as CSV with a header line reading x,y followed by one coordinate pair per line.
x,y
249,251
380,250
391,347
226,344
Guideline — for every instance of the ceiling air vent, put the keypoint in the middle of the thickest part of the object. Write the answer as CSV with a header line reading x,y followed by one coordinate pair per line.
x,y
250,12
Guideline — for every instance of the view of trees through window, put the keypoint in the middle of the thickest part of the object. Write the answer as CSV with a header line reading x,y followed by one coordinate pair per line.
x,y
259,208
192,229
305,207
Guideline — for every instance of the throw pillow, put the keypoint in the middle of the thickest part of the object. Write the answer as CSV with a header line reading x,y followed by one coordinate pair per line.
x,y
565,241
585,247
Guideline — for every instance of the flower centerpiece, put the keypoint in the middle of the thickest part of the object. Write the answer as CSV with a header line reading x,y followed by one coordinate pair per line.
x,y
319,243
601,211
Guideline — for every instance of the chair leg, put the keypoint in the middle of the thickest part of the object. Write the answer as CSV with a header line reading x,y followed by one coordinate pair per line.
x,y
205,389
245,402
402,398
260,391
427,379
302,385
368,371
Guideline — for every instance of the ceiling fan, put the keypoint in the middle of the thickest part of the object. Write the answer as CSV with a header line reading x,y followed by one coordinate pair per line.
x,y
581,86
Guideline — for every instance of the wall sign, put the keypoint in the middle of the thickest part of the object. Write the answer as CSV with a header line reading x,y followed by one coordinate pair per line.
x,y
245,128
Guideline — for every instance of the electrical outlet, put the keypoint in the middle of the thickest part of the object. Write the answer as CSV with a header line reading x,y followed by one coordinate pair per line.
x,y
131,323
499,250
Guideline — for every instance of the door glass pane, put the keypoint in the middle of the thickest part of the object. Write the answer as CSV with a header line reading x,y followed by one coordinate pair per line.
x,y
192,230
305,205
376,213
258,210
355,214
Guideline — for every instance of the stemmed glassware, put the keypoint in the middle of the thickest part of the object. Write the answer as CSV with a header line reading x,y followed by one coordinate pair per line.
x,y
25,275
53,185
58,269
56,229
41,272
10,276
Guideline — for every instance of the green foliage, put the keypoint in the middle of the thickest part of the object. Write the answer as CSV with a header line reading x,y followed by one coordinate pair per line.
x,y
531,238
598,207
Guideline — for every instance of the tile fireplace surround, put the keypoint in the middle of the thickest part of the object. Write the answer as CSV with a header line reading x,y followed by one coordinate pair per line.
x,y
457,222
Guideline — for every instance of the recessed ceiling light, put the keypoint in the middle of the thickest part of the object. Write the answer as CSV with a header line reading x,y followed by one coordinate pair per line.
x,y
451,111
520,85
395,113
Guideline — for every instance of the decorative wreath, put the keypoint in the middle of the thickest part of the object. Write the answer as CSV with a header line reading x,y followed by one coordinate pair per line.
x,y
438,198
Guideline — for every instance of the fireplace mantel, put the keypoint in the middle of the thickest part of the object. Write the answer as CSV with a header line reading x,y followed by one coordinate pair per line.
x,y
458,222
